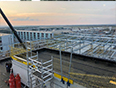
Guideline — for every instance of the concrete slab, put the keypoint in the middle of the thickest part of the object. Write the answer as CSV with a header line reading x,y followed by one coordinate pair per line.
x,y
56,83
3,74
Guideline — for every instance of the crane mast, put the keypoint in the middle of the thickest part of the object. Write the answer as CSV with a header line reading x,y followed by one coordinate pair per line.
x,y
11,27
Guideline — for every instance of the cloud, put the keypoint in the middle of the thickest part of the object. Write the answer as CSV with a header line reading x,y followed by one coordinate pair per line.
x,y
25,19
113,9
63,8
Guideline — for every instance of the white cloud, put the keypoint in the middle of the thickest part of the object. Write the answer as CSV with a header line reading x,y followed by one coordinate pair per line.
x,y
25,19
63,8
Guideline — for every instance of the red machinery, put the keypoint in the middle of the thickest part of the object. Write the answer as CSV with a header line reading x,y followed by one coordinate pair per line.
x,y
18,81
12,81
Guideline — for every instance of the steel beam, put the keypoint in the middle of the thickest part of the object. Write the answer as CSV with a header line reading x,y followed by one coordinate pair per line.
x,y
11,27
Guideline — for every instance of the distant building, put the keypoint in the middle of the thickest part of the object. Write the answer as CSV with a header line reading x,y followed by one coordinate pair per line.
x,y
66,32
34,35
5,41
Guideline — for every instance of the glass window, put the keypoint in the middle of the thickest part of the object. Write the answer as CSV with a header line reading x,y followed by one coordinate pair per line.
x,y
38,35
30,36
50,35
1,48
24,35
46,35
0,38
21,35
27,35
42,34
34,35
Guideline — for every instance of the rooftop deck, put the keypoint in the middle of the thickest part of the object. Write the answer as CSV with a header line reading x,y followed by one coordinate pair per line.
x,y
3,74
84,71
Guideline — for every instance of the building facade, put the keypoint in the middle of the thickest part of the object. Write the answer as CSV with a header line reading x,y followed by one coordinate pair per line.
x,y
5,41
34,35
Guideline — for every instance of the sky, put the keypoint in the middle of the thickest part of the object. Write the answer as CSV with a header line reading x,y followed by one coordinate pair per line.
x,y
59,13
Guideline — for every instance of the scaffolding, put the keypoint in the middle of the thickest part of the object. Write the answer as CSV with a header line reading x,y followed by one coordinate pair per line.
x,y
39,72
100,46
40,68
93,45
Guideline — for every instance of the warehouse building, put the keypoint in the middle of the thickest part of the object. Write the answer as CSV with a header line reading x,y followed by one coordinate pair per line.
x,y
34,35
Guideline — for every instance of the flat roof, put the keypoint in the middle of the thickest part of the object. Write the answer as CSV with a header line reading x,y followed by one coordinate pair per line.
x,y
2,34
79,65
34,31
